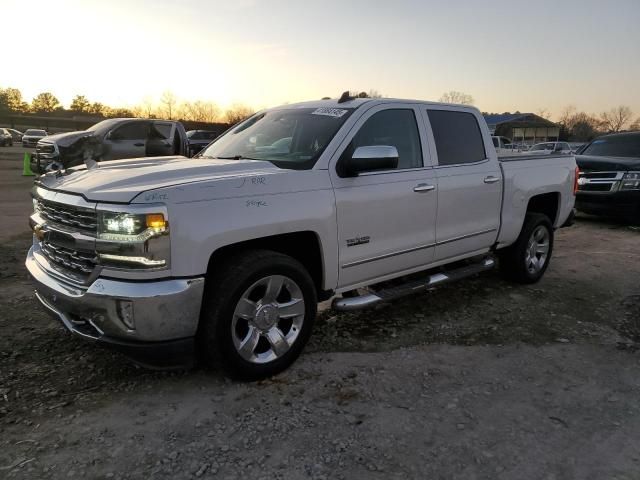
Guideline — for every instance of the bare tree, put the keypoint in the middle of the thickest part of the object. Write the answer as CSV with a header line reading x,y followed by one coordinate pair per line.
x,y
615,119
635,125
544,113
199,111
147,107
566,113
169,100
237,112
460,98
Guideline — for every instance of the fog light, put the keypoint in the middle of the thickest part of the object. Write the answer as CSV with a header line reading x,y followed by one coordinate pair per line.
x,y
125,312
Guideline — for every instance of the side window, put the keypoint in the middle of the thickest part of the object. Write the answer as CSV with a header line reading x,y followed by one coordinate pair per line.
x,y
397,128
130,131
457,136
160,130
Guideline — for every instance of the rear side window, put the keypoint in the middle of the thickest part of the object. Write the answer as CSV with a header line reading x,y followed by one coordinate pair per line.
x,y
396,128
457,136
131,131
160,130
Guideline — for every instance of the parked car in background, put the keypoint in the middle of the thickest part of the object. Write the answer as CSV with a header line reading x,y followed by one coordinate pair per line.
x,y
111,139
15,134
577,146
229,253
546,148
609,182
198,139
6,140
503,145
32,136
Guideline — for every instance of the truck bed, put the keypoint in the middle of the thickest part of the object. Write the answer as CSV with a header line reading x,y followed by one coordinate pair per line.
x,y
528,175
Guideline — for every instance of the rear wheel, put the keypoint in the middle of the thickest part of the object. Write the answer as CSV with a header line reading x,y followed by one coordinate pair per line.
x,y
258,314
528,258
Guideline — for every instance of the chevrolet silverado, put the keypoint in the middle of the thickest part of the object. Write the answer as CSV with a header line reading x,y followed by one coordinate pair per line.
x,y
224,257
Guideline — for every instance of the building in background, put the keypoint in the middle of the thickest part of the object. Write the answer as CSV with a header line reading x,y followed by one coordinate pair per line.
x,y
527,128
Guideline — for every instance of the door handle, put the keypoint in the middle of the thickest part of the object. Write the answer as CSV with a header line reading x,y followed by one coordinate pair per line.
x,y
423,187
491,179
138,144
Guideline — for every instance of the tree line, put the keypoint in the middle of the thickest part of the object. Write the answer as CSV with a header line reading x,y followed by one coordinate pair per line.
x,y
574,125
168,107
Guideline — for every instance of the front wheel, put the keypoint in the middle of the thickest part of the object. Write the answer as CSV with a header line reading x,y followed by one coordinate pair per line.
x,y
528,258
258,314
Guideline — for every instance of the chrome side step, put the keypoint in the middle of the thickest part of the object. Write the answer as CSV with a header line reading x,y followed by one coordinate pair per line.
x,y
369,300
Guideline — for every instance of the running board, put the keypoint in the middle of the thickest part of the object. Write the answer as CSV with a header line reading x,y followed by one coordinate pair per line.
x,y
365,301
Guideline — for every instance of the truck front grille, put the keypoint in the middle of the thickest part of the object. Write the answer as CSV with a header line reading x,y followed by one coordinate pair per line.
x,y
78,218
78,261
590,181
44,148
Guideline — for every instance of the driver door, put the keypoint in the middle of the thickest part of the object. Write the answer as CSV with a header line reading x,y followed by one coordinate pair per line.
x,y
386,219
127,141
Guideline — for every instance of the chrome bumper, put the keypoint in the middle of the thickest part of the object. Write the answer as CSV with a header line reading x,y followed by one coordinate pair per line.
x,y
122,313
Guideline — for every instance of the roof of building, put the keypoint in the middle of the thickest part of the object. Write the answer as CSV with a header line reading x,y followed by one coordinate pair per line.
x,y
494,119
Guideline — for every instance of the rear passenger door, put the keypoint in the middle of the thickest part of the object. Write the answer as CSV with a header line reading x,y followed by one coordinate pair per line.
x,y
160,141
469,184
386,218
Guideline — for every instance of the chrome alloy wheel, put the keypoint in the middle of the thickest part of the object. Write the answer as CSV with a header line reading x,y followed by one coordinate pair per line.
x,y
268,319
537,250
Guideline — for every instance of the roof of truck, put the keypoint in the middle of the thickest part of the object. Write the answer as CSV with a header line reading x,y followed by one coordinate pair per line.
x,y
357,102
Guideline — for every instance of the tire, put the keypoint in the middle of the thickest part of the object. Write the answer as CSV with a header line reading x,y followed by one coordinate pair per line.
x,y
241,328
528,258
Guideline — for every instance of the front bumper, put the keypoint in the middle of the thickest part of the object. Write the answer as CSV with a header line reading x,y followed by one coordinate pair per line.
x,y
152,322
615,204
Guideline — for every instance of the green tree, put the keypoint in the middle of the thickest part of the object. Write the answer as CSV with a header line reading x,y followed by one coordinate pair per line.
x,y
45,102
12,100
80,104
97,108
121,113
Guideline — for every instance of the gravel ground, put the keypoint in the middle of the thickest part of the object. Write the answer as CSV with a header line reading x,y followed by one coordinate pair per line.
x,y
479,379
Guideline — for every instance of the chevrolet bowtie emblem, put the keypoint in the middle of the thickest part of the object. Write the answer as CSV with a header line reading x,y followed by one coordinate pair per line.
x,y
39,232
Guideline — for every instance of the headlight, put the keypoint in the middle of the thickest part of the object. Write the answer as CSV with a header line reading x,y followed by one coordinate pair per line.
x,y
128,240
630,181
129,227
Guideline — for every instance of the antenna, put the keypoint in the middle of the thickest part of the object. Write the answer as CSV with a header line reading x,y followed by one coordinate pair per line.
x,y
345,97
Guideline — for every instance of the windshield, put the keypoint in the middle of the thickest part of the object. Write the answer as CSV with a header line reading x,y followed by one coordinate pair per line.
x,y
103,125
36,133
289,138
614,146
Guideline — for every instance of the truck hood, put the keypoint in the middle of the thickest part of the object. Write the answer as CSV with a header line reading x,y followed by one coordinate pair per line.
x,y
120,181
66,139
607,164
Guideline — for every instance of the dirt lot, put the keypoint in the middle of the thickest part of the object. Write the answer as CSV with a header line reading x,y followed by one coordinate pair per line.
x,y
481,379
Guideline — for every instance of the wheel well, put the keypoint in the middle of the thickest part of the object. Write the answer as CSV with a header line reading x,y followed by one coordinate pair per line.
x,y
303,246
546,203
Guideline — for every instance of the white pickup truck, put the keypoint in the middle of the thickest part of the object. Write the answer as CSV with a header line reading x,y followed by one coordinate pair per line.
x,y
227,254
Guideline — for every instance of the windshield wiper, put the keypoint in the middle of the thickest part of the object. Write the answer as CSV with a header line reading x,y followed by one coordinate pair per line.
x,y
237,157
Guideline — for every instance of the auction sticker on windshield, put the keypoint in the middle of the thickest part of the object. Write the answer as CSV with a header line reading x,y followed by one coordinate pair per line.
x,y
329,112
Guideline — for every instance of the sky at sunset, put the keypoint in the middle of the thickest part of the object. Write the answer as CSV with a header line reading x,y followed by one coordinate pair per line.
x,y
510,55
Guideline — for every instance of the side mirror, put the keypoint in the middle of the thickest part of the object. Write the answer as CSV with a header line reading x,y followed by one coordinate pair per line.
x,y
369,158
